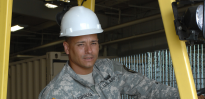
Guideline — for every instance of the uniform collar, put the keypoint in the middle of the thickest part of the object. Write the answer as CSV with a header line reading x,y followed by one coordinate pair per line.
x,y
76,77
101,70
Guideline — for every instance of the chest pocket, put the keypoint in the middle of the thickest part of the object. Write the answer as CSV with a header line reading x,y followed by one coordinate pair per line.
x,y
111,81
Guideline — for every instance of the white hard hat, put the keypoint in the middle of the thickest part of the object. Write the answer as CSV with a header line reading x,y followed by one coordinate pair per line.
x,y
80,21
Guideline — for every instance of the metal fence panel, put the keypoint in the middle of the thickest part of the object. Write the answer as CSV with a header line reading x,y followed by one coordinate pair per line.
x,y
157,65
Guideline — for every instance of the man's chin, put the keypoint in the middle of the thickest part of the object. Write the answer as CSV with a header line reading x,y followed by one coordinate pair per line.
x,y
89,64
87,67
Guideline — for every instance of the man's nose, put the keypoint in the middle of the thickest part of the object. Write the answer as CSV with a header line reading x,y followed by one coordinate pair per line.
x,y
88,49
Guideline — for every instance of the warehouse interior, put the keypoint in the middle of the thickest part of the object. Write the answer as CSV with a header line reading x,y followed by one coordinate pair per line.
x,y
131,27
41,28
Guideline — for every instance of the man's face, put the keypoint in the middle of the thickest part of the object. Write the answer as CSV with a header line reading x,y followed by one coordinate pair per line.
x,y
83,50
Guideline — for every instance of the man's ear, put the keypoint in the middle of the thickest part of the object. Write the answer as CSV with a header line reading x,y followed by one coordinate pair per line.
x,y
66,47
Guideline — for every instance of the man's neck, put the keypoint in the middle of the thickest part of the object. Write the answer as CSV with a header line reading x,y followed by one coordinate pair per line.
x,y
81,70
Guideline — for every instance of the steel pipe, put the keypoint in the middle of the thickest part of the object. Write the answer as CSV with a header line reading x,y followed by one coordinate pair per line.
x,y
132,37
121,14
132,23
107,7
142,7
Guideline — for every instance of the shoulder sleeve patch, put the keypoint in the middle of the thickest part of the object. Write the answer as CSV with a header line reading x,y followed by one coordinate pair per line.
x,y
129,70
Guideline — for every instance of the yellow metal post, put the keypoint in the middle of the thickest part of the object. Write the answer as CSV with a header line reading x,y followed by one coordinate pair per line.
x,y
88,4
5,25
178,52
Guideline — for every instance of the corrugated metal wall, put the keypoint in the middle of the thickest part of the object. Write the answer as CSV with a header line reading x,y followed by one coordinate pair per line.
x,y
27,78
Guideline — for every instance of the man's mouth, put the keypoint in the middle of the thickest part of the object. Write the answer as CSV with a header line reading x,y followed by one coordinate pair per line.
x,y
88,58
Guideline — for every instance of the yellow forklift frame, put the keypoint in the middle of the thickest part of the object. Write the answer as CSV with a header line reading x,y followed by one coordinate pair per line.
x,y
177,48
178,52
5,31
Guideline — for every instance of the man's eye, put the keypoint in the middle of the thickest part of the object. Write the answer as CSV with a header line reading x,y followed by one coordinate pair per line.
x,y
80,44
94,43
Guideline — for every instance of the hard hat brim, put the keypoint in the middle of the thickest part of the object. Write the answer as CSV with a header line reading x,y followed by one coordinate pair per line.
x,y
81,33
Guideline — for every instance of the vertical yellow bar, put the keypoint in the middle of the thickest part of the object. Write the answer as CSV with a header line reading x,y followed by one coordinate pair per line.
x,y
5,25
178,52
88,4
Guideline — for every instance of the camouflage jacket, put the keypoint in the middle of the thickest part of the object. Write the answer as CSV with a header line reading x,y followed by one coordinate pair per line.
x,y
111,80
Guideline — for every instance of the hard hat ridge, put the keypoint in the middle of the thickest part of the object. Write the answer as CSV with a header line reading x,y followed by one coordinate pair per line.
x,y
80,21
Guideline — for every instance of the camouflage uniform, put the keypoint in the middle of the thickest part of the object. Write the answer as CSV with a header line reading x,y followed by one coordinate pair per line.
x,y
111,80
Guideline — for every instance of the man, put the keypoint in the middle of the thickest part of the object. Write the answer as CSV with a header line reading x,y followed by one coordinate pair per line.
x,y
85,77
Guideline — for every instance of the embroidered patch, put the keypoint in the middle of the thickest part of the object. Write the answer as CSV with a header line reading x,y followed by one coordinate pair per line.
x,y
85,95
107,82
106,78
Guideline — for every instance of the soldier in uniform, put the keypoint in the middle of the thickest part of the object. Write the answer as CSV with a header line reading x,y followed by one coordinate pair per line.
x,y
85,77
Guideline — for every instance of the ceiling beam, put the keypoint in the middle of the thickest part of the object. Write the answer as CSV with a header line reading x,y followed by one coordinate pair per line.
x,y
109,3
12,34
143,7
